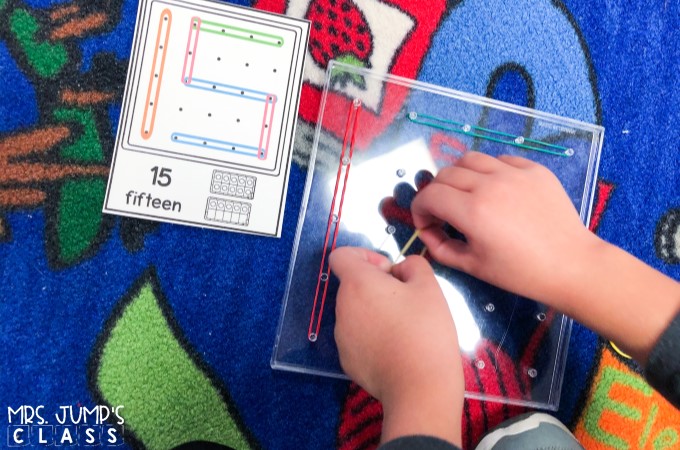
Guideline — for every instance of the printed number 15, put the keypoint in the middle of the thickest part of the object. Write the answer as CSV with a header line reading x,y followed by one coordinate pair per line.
x,y
161,176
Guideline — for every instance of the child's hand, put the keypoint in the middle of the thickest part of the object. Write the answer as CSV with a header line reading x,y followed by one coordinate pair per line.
x,y
524,235
397,339
522,230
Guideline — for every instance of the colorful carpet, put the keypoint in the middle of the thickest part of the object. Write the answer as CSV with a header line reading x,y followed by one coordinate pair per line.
x,y
172,329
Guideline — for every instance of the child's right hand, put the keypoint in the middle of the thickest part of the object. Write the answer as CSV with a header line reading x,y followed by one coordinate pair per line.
x,y
524,235
522,230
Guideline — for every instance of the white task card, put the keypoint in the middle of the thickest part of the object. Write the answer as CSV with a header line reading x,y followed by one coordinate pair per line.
x,y
208,116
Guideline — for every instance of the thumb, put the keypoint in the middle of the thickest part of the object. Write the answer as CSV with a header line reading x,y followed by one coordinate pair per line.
x,y
413,268
445,250
348,260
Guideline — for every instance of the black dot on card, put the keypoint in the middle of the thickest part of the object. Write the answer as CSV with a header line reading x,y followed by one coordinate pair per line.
x,y
146,131
238,120
156,76
181,109
191,53
247,65
251,36
219,59
278,42
150,103
209,114
214,87
242,92
175,137
165,18
222,30
274,70
233,148
205,143
266,126
161,47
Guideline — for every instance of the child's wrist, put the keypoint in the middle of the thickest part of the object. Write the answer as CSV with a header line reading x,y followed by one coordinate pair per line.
x,y
432,409
574,270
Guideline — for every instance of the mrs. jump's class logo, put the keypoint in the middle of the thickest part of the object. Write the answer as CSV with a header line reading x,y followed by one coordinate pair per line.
x,y
30,426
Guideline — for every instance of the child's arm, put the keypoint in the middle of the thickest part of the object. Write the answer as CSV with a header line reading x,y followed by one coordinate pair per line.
x,y
524,235
396,339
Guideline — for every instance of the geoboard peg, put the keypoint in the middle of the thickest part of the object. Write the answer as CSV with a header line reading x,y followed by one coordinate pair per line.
x,y
413,115
540,317
533,373
490,307
480,364
569,152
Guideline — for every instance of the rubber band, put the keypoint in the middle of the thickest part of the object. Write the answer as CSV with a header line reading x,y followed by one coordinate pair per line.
x,y
334,217
408,244
491,135
619,351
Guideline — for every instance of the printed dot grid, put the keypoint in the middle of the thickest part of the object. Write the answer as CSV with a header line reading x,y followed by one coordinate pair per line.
x,y
233,184
227,211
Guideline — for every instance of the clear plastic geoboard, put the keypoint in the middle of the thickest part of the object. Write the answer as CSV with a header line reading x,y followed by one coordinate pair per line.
x,y
387,148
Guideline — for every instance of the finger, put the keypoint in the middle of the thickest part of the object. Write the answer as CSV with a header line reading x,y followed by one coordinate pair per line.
x,y
346,261
445,250
459,178
479,162
517,161
440,202
413,269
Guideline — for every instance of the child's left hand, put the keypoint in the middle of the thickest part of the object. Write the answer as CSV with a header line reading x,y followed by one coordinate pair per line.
x,y
397,339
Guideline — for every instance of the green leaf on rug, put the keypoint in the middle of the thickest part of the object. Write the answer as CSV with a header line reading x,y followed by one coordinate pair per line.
x,y
88,147
46,59
79,216
168,398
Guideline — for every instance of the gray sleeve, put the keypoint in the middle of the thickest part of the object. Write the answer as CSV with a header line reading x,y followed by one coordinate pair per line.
x,y
663,365
418,443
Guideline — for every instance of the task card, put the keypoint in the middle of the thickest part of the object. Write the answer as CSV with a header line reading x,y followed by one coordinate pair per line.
x,y
208,116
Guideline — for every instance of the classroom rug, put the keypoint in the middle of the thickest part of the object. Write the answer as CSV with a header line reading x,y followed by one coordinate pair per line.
x,y
155,336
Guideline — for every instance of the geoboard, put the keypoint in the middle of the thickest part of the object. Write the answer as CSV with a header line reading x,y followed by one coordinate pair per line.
x,y
209,116
514,349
